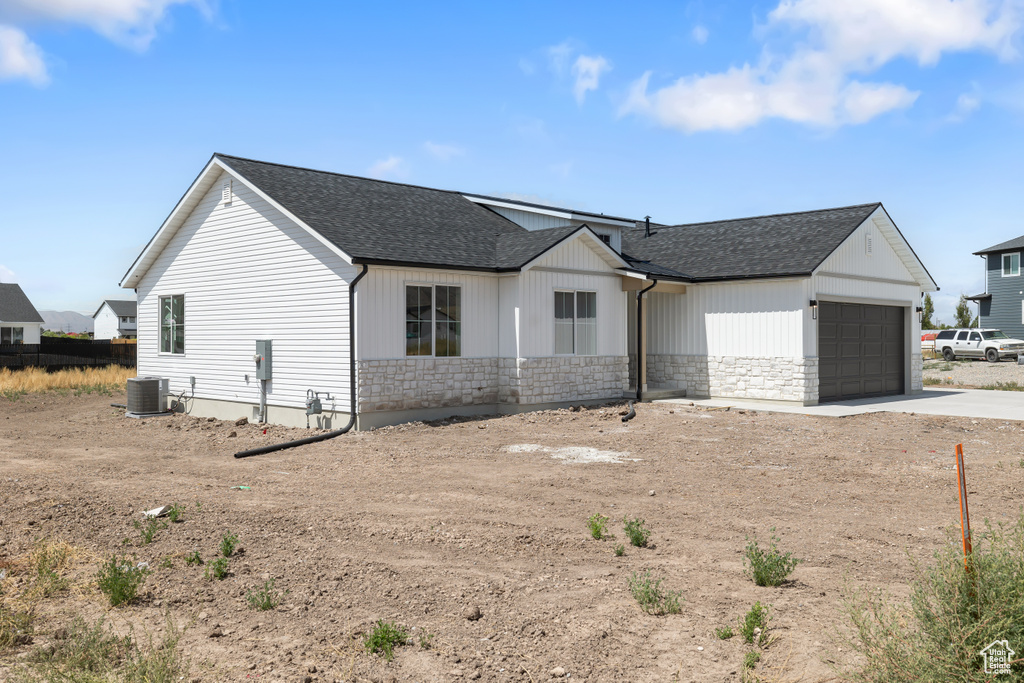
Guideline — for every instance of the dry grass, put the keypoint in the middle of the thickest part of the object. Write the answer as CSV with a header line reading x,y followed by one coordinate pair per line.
x,y
14,383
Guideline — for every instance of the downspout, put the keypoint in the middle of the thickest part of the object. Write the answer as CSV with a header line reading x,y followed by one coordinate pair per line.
x,y
641,357
352,384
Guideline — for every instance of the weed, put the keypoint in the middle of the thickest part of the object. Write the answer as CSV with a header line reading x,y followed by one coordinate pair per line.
x,y
755,620
426,641
950,616
651,597
48,559
149,528
228,543
724,633
264,598
768,567
194,559
1003,386
15,625
119,578
384,637
931,381
217,570
620,550
751,659
199,506
1021,463
176,514
598,524
167,563
639,535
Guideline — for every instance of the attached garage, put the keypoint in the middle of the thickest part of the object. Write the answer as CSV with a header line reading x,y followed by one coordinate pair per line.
x,y
861,351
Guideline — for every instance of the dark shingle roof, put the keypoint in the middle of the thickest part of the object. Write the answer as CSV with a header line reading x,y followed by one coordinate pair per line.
x,y
517,249
120,307
376,221
15,306
1016,243
763,246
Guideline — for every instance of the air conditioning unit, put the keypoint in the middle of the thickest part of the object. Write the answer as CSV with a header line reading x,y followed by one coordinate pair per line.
x,y
147,395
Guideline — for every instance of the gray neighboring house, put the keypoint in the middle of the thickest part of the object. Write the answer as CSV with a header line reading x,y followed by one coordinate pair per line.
x,y
20,322
1001,306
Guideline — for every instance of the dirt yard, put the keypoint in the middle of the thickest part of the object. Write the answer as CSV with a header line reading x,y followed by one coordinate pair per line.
x,y
420,524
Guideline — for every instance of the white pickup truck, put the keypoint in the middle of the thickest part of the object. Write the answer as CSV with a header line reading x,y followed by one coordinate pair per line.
x,y
992,345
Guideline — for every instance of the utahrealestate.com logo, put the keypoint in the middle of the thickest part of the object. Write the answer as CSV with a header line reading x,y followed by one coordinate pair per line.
x,y
997,656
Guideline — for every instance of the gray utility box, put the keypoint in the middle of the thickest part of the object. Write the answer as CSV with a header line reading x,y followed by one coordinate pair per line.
x,y
264,359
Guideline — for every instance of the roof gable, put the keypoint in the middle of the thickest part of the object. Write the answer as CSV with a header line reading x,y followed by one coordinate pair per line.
x,y
119,307
15,306
1014,244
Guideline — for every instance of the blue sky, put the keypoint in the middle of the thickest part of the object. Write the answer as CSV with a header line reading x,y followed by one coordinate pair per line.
x,y
684,111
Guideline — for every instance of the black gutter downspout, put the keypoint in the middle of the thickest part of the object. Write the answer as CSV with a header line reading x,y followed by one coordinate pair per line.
x,y
352,384
640,338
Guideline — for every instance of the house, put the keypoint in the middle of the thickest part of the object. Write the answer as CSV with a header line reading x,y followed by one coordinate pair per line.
x,y
115,319
402,302
1001,306
20,322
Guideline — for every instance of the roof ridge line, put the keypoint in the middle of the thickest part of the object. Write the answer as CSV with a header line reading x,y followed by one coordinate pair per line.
x,y
767,215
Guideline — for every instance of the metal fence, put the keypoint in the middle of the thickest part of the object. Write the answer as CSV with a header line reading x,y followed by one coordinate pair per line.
x,y
55,353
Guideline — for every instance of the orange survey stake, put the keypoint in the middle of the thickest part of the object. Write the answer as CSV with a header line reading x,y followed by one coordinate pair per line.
x,y
965,518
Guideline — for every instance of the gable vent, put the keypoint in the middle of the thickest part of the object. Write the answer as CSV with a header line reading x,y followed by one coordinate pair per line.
x,y
225,191
868,243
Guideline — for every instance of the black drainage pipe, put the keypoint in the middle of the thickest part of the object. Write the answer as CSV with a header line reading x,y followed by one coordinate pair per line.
x,y
640,355
631,414
352,385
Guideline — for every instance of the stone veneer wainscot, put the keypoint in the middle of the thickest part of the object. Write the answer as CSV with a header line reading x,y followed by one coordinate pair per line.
x,y
781,379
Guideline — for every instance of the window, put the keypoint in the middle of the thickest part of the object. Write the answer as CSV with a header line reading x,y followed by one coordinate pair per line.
x,y
962,336
433,320
993,334
172,324
12,335
975,337
1011,265
945,334
576,323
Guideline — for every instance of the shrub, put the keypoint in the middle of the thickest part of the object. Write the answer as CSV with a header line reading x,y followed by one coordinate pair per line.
x,y
228,543
638,534
651,597
755,620
768,567
194,558
384,637
119,578
724,633
598,524
950,616
264,598
149,528
217,570
620,550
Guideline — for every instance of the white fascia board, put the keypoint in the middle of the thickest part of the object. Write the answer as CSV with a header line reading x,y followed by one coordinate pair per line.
x,y
188,202
594,242
551,211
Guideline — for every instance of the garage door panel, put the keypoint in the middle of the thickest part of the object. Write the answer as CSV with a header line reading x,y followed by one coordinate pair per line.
x,y
860,351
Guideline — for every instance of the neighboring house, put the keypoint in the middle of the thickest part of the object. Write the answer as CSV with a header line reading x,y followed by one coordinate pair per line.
x,y
1002,304
20,322
471,304
115,319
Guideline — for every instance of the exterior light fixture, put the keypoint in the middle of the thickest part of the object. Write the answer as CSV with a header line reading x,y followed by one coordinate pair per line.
x,y
814,309
920,312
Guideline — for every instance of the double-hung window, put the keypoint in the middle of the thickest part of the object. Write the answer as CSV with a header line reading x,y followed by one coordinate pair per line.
x,y
1011,265
12,335
172,324
433,320
575,323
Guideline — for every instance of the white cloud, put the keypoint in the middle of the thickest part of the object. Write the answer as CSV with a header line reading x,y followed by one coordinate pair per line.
x,y
443,152
587,72
700,34
7,275
527,66
392,167
966,105
20,58
559,56
128,22
815,84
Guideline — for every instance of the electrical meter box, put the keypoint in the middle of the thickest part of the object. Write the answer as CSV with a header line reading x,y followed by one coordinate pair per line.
x,y
264,359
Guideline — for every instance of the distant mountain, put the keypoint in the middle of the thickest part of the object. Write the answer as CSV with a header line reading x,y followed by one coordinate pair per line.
x,y
66,321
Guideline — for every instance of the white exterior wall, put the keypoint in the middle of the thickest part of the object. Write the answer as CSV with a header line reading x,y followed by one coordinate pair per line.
x,y
248,273
105,324
539,221
32,332
380,308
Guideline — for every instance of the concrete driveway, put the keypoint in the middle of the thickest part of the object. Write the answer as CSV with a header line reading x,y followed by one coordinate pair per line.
x,y
981,403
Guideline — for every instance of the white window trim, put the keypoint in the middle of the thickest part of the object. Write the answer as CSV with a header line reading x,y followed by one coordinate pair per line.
x,y
160,327
1002,264
433,323
554,322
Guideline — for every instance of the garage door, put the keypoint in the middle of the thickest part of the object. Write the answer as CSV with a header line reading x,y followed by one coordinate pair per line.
x,y
860,351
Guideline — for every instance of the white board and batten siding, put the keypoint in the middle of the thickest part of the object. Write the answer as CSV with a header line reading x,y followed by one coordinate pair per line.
x,y
571,266
380,310
105,324
248,272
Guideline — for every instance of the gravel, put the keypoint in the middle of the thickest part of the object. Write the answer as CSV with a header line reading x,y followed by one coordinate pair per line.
x,y
973,373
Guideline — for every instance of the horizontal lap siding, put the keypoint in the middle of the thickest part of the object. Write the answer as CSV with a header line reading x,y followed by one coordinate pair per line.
x,y
381,309
1005,311
247,273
